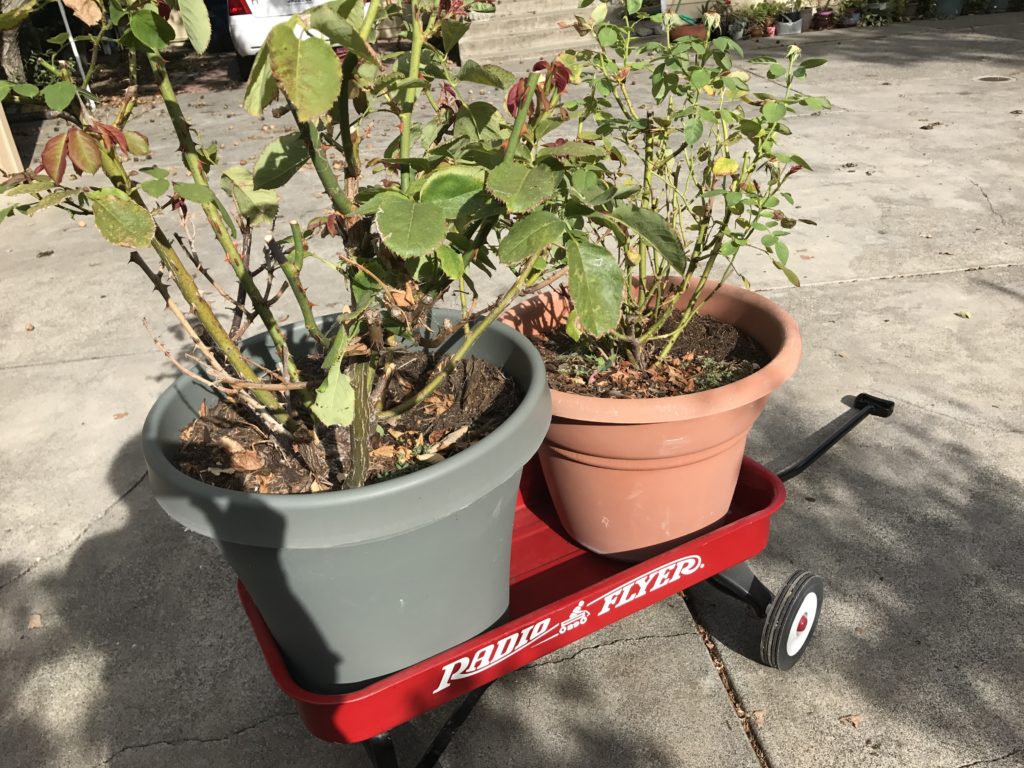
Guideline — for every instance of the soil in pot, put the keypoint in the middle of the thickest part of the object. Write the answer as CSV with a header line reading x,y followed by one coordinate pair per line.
x,y
708,354
225,449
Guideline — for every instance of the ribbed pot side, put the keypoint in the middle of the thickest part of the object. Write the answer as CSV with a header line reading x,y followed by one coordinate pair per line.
x,y
631,477
357,584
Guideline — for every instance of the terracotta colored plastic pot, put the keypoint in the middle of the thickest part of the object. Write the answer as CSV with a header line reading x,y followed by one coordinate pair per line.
x,y
632,477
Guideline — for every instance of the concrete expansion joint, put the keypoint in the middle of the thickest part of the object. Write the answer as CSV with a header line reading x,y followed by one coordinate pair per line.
x,y
77,538
894,276
994,760
211,740
66,361
600,646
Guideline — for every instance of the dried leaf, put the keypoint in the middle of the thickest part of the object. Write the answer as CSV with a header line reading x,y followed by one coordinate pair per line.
x,y
853,720
121,415
35,621
29,327
966,315
87,10
758,717
452,438
230,445
248,461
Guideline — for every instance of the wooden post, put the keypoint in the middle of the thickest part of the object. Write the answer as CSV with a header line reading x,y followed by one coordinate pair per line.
x,y
10,160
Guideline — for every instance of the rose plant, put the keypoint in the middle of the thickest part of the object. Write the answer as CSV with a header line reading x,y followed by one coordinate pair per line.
x,y
412,231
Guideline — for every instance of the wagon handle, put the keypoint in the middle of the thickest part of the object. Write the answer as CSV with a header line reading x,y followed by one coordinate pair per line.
x,y
864,405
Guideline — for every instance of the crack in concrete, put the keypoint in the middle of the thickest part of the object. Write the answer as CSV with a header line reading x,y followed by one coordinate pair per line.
x,y
608,644
738,706
992,761
77,538
895,276
194,740
988,200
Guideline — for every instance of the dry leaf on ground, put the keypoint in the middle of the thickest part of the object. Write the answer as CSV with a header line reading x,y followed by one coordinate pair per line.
x,y
758,717
35,621
854,720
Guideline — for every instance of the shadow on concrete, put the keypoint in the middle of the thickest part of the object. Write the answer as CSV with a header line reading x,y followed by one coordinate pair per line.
x,y
918,541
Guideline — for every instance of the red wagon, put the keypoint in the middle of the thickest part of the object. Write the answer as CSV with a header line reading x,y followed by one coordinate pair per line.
x,y
560,593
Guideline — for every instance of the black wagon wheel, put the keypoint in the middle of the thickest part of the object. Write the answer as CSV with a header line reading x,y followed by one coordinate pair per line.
x,y
791,620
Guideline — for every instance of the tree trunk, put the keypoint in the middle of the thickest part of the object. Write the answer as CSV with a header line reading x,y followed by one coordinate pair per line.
x,y
10,59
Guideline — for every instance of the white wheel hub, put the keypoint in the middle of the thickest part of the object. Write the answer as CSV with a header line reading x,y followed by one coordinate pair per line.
x,y
802,625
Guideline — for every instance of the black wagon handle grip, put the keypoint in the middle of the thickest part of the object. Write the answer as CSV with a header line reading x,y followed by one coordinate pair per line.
x,y
864,405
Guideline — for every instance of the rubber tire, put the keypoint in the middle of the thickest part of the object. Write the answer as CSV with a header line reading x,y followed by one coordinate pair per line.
x,y
783,612
243,66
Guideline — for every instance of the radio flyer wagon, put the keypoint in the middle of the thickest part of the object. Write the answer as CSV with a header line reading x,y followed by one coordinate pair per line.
x,y
560,593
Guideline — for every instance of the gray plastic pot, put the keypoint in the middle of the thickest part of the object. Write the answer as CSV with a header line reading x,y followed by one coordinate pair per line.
x,y
357,584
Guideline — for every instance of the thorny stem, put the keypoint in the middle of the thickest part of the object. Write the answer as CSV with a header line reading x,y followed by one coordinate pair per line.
x,y
410,99
190,154
322,166
291,274
468,340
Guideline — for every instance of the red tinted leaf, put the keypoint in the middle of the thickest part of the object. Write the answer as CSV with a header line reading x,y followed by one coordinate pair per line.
x,y
515,96
55,157
84,151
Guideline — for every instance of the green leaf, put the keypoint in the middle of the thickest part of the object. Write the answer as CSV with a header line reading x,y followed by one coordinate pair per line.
x,y
340,31
281,160
373,204
138,145
59,95
782,251
478,121
595,284
521,187
258,206
27,90
692,131
261,89
776,70
725,166
812,63
39,185
790,274
450,187
577,150
120,220
529,236
150,29
335,403
773,111
409,228
451,32
155,187
307,71
452,263
197,23
487,74
699,78
51,199
197,193
655,230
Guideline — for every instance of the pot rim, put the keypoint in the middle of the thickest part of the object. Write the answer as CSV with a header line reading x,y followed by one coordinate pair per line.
x,y
761,383
329,518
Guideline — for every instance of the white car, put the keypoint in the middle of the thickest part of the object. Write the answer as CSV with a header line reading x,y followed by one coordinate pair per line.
x,y
250,21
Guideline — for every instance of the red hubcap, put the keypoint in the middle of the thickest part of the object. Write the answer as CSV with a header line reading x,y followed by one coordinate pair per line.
x,y
802,625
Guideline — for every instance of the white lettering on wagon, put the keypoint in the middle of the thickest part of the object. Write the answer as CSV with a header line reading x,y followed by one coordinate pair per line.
x,y
494,653
653,580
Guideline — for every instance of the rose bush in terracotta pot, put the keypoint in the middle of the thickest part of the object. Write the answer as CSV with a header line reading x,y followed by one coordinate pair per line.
x,y
665,198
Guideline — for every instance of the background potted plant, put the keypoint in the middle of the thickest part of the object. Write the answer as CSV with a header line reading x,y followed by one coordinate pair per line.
x,y
648,425
327,457
824,16
850,12
788,21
